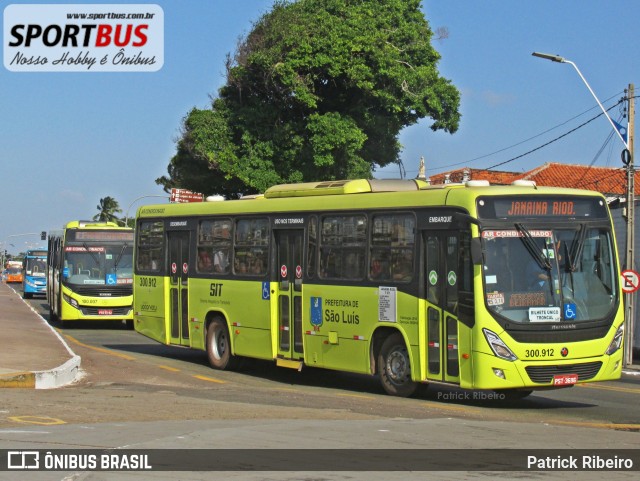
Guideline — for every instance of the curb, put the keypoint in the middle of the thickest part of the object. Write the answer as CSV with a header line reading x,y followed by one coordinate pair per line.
x,y
49,379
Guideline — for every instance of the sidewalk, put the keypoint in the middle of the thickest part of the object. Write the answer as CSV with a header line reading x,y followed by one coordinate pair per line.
x,y
33,354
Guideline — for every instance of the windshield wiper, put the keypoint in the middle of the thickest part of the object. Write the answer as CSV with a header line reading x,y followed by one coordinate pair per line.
x,y
93,254
577,246
532,248
115,264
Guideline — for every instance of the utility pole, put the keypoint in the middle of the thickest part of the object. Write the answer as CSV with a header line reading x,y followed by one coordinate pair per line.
x,y
627,158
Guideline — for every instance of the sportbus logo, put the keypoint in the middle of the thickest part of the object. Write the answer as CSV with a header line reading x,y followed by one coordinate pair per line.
x,y
83,38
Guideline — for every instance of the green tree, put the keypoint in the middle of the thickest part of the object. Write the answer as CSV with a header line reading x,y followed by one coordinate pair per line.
x,y
318,90
107,210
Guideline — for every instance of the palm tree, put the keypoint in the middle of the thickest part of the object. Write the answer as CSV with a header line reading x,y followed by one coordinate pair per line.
x,y
107,208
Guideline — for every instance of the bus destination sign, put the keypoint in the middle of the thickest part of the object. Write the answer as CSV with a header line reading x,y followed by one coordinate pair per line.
x,y
526,207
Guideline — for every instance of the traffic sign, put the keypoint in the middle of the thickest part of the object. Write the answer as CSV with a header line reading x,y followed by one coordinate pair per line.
x,y
630,281
184,195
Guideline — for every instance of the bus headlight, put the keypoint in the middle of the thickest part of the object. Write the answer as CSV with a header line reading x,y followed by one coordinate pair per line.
x,y
617,341
71,301
498,347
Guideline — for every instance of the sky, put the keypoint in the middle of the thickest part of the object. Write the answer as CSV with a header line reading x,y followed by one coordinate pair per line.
x,y
68,139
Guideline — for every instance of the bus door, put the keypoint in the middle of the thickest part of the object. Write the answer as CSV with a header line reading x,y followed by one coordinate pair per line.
x,y
441,278
178,286
289,255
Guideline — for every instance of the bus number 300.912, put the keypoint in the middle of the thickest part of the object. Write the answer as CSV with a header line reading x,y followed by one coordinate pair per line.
x,y
538,353
147,282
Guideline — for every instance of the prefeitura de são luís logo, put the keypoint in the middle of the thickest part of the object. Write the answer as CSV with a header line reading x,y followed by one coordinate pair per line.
x,y
83,38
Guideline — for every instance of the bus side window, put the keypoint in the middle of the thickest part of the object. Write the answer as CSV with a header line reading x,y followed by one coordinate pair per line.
x,y
342,247
150,246
392,247
251,247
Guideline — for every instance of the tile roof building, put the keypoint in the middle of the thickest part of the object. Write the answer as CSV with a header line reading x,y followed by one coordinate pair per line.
x,y
610,181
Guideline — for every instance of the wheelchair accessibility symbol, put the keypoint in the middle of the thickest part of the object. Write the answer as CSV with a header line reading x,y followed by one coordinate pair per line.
x,y
112,279
266,295
570,310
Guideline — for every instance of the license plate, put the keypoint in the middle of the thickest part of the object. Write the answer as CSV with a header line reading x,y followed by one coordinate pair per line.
x,y
105,312
565,379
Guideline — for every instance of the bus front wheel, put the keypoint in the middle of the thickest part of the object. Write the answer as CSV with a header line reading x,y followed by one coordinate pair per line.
x,y
219,346
394,367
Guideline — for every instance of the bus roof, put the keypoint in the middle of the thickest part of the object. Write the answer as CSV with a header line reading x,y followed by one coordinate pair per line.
x,y
350,194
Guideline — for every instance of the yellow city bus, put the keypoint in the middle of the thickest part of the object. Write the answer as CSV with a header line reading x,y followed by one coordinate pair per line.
x,y
90,272
506,288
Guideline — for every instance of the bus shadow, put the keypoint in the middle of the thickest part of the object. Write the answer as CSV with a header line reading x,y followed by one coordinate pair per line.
x,y
312,377
162,351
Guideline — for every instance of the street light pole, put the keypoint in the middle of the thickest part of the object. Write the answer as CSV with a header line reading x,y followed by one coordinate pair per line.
x,y
558,58
627,159
126,218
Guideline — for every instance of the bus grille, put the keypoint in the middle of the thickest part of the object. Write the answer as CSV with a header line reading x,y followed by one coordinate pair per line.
x,y
544,374
103,291
105,311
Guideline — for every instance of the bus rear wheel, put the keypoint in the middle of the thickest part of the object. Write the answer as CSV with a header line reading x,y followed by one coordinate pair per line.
x,y
394,367
219,346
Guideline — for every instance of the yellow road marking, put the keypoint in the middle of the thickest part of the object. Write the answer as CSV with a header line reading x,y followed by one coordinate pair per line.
x,y
18,379
449,407
169,368
610,388
585,424
359,396
41,420
210,379
101,349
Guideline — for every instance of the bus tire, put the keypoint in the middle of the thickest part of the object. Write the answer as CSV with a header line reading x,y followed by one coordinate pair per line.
x,y
219,346
394,367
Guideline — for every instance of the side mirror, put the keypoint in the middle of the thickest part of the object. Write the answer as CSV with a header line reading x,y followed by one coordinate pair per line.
x,y
476,251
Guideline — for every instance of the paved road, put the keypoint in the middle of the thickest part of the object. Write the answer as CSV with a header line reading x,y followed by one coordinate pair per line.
x,y
138,394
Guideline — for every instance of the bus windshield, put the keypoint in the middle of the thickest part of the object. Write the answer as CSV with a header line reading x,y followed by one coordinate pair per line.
x,y
36,266
98,263
549,275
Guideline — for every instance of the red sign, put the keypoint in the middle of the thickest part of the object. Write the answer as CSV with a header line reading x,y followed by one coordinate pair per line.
x,y
630,281
283,271
185,267
299,272
184,195
105,312
174,268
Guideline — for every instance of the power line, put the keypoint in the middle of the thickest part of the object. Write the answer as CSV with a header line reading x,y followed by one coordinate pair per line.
x,y
557,138
541,133
622,100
